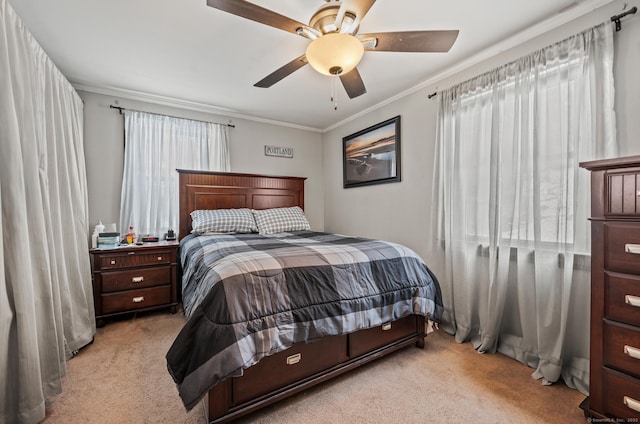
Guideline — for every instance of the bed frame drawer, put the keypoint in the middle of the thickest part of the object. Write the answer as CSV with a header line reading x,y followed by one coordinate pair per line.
x,y
366,340
294,364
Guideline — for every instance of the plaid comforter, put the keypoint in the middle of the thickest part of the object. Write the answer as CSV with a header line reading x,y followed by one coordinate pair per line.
x,y
248,296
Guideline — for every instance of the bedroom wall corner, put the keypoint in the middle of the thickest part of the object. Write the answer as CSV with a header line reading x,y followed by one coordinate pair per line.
x,y
397,212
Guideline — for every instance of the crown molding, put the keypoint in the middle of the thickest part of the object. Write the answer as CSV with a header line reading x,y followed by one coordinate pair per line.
x,y
179,103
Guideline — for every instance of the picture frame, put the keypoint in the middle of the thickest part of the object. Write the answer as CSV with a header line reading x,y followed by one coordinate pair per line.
x,y
372,156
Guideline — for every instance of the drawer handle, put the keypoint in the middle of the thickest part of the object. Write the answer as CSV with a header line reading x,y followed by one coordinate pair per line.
x,y
632,248
137,279
131,253
632,403
159,258
386,327
294,359
632,300
139,299
634,352
113,261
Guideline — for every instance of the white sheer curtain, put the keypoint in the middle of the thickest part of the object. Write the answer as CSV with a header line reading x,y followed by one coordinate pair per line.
x,y
155,146
513,203
46,301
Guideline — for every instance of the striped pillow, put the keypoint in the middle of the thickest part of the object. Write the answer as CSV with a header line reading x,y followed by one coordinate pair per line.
x,y
280,220
223,221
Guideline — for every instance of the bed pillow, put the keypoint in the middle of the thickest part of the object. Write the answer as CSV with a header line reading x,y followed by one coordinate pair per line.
x,y
223,221
280,220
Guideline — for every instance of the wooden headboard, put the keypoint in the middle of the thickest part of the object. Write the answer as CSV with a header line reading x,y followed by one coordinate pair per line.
x,y
227,190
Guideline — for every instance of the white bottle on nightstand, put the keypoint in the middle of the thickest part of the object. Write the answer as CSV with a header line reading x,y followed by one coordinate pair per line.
x,y
96,231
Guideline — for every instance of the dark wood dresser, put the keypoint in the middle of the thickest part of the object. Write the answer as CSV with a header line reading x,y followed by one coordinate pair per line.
x,y
134,278
614,386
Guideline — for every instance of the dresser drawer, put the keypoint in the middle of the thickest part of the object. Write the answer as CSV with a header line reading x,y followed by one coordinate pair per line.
x,y
299,361
618,235
131,300
622,298
623,197
131,259
622,395
135,278
622,348
365,340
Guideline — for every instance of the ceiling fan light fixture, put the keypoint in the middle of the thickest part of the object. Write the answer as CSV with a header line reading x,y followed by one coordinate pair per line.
x,y
334,53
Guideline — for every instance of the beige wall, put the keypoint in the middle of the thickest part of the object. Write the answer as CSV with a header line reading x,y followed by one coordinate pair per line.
x,y
104,151
402,211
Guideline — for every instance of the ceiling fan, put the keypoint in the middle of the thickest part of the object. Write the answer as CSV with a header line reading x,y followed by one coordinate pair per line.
x,y
336,48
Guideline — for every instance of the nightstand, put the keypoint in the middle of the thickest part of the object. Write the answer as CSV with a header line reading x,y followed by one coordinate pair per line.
x,y
134,278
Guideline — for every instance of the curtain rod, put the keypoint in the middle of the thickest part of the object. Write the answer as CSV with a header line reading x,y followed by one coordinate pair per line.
x,y
617,18
121,109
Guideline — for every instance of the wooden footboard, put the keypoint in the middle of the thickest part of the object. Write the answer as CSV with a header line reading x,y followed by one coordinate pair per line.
x,y
306,364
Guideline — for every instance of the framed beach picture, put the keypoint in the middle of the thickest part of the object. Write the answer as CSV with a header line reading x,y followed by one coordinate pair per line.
x,y
372,156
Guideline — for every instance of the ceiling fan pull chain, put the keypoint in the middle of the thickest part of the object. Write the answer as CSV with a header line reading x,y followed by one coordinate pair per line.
x,y
334,91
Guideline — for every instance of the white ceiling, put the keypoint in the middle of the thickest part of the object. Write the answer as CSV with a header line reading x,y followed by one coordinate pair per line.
x,y
184,53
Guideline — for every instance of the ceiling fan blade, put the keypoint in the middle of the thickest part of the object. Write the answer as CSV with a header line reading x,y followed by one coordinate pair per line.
x,y
357,7
412,41
352,83
282,72
259,14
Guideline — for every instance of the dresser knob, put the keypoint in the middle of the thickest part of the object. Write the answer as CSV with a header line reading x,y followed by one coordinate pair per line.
x,y
138,299
634,352
137,279
631,403
159,258
632,300
113,261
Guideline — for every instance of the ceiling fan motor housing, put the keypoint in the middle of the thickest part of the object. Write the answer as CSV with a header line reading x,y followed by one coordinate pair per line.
x,y
324,20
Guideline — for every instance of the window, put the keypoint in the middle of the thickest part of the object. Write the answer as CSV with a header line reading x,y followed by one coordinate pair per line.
x,y
155,146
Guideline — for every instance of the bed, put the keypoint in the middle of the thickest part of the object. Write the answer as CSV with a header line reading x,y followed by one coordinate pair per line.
x,y
258,332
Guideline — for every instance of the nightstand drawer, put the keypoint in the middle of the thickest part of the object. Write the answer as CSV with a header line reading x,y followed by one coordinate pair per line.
x,y
622,298
133,258
135,279
136,299
622,348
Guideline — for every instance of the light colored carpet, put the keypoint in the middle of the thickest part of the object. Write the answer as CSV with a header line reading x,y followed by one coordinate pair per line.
x,y
122,378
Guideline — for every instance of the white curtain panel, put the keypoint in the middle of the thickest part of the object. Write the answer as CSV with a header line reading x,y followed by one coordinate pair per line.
x,y
155,146
46,300
513,203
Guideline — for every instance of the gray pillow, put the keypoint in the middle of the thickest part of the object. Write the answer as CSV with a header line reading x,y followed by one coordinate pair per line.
x,y
223,221
280,220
